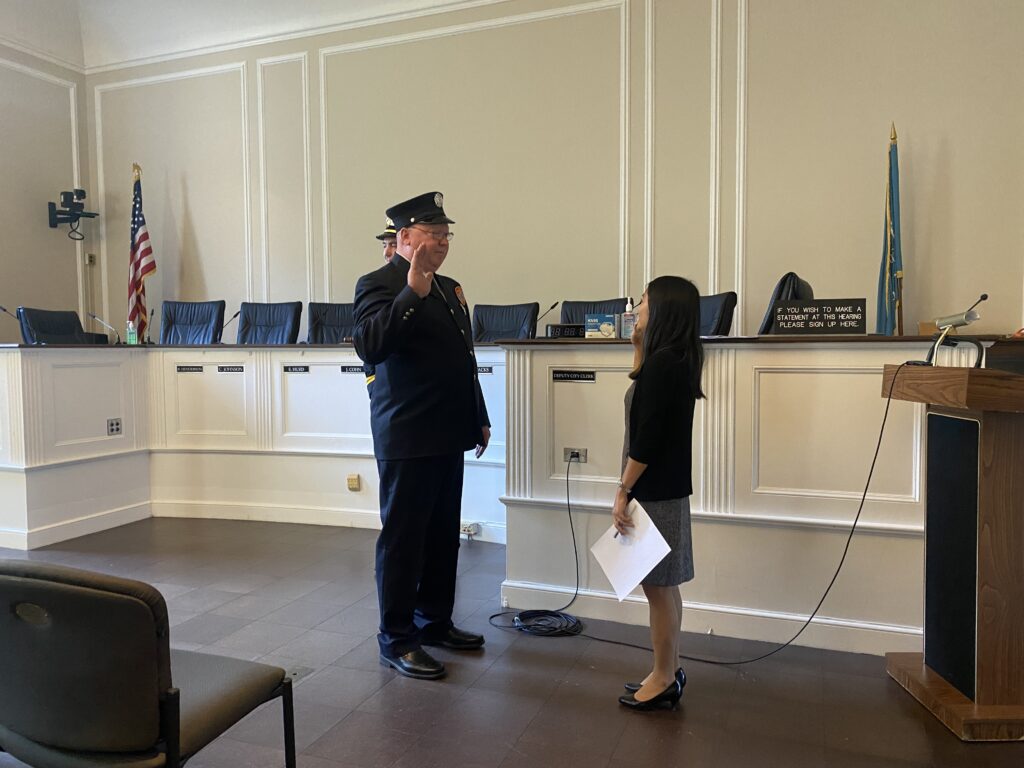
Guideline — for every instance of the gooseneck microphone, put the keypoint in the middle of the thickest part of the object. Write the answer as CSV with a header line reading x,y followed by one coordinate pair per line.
x,y
548,310
149,327
962,319
949,322
106,325
230,320
6,311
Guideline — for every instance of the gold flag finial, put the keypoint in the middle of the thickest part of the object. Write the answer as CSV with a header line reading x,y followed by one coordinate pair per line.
x,y
136,171
892,136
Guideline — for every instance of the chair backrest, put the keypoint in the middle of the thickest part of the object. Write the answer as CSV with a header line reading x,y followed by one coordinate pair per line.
x,y
790,286
716,313
330,323
576,312
47,326
191,322
492,322
85,658
269,323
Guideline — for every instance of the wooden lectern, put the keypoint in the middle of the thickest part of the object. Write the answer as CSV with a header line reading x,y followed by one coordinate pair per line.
x,y
971,675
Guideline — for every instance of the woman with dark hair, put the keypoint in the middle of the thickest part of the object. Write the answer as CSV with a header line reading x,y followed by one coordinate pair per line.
x,y
667,365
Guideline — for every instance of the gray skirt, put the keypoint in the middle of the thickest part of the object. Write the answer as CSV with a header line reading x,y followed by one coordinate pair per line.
x,y
672,518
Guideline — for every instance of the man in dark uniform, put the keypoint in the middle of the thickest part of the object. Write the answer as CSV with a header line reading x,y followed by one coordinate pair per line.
x,y
427,409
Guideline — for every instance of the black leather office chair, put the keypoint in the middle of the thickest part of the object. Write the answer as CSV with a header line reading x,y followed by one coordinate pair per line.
x,y
576,312
790,286
191,322
492,322
47,326
87,677
269,323
330,323
716,313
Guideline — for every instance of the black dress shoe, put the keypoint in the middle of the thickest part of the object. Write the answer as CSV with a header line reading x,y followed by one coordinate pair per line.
x,y
680,678
667,699
457,639
417,663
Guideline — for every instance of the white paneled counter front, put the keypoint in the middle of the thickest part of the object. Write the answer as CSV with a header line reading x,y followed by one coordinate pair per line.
x,y
257,433
781,451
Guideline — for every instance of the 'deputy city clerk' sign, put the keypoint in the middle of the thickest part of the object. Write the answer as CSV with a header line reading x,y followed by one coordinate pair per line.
x,y
821,316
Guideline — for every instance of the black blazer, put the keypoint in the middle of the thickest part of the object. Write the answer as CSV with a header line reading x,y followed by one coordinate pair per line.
x,y
425,399
661,428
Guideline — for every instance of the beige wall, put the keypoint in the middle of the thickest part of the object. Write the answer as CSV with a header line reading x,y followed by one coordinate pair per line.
x,y
583,149
40,155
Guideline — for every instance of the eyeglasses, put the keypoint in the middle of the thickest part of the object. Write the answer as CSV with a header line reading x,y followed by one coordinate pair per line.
x,y
439,236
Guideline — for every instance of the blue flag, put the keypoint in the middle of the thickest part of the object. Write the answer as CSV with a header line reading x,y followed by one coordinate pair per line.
x,y
890,275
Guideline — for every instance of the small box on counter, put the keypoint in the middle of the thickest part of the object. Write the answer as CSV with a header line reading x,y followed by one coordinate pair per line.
x,y
602,326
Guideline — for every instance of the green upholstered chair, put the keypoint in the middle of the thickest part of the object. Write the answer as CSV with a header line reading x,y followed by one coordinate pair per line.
x,y
88,680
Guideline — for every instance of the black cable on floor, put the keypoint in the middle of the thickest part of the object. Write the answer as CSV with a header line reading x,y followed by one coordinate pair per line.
x,y
548,616
554,623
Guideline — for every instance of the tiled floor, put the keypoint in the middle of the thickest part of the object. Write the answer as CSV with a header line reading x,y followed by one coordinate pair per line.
x,y
303,597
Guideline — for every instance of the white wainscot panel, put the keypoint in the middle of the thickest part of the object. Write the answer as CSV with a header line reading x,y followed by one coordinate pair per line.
x,y
576,414
210,398
320,402
8,369
808,442
79,392
491,370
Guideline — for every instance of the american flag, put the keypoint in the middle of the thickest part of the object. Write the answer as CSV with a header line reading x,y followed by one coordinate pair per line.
x,y
141,264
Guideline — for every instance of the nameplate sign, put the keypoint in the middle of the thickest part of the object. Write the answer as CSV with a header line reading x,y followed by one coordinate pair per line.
x,y
580,377
485,370
296,369
230,369
189,368
821,316
352,369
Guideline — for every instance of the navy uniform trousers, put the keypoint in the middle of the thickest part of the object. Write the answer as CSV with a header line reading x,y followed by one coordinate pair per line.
x,y
418,549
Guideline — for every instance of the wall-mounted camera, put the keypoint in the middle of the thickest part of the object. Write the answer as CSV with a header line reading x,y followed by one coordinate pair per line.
x,y
70,211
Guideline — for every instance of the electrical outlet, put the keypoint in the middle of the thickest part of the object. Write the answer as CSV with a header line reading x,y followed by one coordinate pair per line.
x,y
90,259
504,601
354,483
113,426
470,529
575,454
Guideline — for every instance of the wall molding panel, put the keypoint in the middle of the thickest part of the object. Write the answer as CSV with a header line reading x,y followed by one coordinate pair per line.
x,y
240,68
261,66
499,22
76,163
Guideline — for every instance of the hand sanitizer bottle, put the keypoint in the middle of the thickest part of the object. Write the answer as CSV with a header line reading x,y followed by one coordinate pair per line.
x,y
132,335
628,321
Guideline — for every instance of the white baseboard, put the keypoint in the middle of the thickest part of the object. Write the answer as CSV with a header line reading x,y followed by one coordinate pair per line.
x,y
71,529
269,513
729,621
275,513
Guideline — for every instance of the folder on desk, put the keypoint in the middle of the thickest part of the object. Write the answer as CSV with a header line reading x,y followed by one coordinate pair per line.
x,y
626,560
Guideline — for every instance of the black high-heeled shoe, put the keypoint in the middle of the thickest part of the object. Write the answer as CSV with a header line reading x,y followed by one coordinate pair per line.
x,y
680,678
667,699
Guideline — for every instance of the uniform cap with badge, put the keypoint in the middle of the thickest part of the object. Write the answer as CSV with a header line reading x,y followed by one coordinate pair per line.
x,y
389,230
427,208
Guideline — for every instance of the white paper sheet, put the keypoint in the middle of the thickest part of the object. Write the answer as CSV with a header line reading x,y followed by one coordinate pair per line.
x,y
626,560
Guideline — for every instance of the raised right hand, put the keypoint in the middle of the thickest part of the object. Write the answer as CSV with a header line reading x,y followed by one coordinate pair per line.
x,y
419,278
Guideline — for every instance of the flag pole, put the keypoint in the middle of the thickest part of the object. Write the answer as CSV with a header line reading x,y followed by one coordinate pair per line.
x,y
899,275
136,172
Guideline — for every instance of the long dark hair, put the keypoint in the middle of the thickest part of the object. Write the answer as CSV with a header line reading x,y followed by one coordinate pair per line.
x,y
673,323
